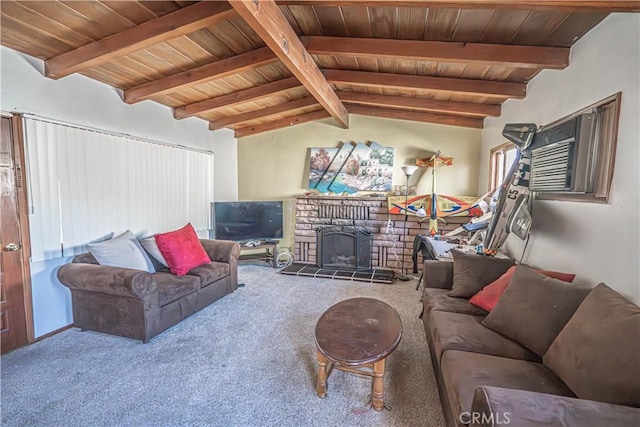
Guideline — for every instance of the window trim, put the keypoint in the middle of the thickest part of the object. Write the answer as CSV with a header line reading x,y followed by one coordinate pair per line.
x,y
502,148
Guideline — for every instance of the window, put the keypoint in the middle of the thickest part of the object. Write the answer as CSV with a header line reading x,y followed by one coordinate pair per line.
x,y
502,158
86,184
602,157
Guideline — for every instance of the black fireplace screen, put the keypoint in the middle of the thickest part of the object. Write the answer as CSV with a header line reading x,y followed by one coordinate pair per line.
x,y
344,248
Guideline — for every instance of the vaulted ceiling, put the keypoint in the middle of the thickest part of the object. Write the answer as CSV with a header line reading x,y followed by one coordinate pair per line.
x,y
254,66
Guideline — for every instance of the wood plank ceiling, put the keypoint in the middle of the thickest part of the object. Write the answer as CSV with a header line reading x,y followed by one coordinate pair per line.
x,y
257,66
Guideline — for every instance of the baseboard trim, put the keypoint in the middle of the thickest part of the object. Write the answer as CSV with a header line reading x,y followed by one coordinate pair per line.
x,y
52,333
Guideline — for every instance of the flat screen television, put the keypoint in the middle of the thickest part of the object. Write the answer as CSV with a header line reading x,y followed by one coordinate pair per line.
x,y
247,220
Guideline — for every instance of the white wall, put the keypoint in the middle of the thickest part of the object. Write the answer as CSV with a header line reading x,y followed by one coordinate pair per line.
x,y
599,242
80,100
281,157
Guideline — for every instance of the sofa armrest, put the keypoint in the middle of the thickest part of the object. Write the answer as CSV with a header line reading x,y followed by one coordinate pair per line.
x,y
495,406
107,280
221,250
438,274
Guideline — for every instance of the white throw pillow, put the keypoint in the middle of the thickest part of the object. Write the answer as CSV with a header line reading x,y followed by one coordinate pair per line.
x,y
150,245
123,251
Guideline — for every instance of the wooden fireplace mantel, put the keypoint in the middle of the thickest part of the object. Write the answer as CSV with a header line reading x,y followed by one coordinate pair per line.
x,y
369,213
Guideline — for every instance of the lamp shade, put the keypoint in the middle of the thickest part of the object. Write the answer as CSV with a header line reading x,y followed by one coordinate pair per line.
x,y
409,170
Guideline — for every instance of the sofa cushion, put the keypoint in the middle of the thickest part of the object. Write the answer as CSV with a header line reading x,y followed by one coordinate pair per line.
x,y
123,251
489,296
172,287
210,273
86,258
598,352
534,309
151,246
531,409
439,300
182,250
463,372
454,331
473,272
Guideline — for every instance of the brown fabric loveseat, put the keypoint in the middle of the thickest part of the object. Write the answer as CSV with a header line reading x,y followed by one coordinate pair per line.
x,y
487,379
137,304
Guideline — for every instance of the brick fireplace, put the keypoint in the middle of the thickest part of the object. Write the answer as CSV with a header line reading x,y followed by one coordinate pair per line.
x,y
365,213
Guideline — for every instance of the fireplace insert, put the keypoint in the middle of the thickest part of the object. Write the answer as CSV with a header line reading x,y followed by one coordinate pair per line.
x,y
347,248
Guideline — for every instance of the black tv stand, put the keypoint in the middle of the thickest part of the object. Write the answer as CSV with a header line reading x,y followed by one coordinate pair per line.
x,y
266,250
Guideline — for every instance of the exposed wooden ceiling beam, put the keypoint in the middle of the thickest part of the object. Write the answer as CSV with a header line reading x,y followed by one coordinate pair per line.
x,y
418,116
262,113
172,25
486,88
266,19
420,50
215,70
426,104
278,124
245,95
586,5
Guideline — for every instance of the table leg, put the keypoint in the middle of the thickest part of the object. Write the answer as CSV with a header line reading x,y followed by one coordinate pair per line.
x,y
377,388
321,387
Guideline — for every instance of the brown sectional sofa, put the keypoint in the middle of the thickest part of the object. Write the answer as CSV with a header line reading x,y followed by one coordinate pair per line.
x,y
136,304
484,377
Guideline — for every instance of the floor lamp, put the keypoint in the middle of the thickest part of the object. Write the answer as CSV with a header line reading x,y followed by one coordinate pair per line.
x,y
408,171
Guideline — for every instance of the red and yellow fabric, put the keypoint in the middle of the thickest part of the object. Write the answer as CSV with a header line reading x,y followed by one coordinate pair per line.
x,y
446,205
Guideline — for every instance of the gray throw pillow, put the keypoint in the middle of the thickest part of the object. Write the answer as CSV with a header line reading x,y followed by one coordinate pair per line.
x,y
473,272
123,251
534,309
151,246
597,354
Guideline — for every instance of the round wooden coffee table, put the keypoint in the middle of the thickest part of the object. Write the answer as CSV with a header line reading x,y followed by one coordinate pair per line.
x,y
356,336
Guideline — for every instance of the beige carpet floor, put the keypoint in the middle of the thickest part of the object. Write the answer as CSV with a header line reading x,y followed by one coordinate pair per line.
x,y
246,360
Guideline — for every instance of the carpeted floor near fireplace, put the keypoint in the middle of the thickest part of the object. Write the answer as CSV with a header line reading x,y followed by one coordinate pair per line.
x,y
246,360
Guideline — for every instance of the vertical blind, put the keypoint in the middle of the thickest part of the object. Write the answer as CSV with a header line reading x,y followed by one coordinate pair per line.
x,y
87,185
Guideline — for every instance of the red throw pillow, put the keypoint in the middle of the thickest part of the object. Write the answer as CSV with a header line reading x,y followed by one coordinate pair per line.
x,y
565,277
488,297
182,250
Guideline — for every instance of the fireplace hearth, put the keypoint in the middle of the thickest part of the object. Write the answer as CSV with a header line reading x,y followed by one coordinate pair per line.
x,y
375,275
345,248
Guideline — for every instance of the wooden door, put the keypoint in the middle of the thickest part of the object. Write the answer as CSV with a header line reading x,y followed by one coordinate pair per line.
x,y
13,315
